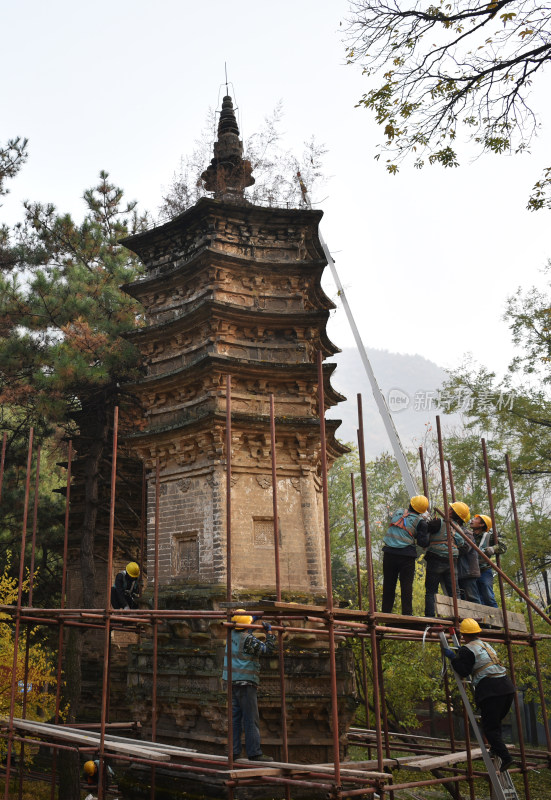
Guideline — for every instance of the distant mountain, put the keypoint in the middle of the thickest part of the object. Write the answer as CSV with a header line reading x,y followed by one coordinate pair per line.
x,y
409,383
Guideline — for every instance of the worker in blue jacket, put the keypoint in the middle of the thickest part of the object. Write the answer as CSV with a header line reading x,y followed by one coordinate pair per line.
x,y
494,691
481,526
245,664
407,529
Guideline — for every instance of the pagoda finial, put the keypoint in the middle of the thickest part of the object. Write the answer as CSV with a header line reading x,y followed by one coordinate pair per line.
x,y
228,174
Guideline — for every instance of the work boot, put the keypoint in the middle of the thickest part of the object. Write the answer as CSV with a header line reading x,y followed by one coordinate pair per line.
x,y
506,764
260,757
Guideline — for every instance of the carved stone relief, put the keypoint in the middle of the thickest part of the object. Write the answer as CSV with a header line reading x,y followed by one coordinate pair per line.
x,y
263,532
212,480
186,555
184,484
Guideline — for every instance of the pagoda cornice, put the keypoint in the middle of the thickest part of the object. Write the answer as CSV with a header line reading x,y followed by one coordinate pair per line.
x,y
170,232
212,420
249,369
251,318
158,279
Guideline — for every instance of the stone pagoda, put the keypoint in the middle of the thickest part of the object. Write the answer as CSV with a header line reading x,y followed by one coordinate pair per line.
x,y
232,288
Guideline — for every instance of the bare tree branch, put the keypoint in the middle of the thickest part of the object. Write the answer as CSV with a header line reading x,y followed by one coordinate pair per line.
x,y
439,70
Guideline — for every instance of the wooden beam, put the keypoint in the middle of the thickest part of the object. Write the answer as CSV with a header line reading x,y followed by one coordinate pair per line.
x,y
254,772
387,762
166,748
435,762
132,748
486,615
348,768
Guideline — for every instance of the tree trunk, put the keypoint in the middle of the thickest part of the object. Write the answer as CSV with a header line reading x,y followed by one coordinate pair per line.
x,y
98,432
94,432
545,577
69,761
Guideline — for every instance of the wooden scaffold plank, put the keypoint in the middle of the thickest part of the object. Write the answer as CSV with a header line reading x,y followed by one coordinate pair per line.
x,y
58,732
484,615
435,762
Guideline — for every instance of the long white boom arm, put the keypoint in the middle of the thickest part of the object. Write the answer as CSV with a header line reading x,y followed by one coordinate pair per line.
x,y
399,455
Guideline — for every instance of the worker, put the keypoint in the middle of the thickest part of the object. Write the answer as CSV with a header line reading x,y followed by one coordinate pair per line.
x,y
481,526
468,571
406,530
126,588
437,556
91,772
245,664
493,689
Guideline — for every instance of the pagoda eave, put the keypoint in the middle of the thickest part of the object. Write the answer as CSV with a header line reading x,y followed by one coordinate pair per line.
x,y
265,215
213,309
240,420
210,257
223,365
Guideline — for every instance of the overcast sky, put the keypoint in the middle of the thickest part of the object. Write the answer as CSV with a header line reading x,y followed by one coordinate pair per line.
x,y
427,258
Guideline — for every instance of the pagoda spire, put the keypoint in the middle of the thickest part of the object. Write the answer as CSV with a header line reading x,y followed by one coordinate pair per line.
x,y
228,173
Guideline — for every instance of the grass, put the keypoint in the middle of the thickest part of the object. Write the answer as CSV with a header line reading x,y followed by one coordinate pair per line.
x,y
34,790
539,781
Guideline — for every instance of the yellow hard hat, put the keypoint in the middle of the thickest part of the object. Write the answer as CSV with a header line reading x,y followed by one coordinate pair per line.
x,y
90,768
419,503
486,520
241,618
133,569
462,510
469,625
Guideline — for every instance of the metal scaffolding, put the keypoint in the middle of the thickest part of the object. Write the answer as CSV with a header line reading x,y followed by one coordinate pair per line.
x,y
369,626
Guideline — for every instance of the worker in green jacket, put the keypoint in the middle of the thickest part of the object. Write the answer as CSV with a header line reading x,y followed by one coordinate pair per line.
x,y
407,531
246,650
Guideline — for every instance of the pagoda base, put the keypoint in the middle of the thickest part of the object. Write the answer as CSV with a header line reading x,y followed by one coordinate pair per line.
x,y
192,698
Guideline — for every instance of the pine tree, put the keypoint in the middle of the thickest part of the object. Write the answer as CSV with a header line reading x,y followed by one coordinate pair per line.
x,y
64,362
63,355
